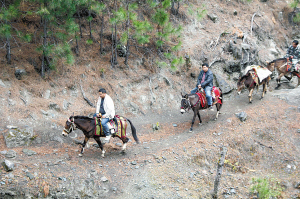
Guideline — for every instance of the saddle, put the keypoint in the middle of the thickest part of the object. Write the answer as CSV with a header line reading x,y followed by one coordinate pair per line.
x,y
202,99
117,126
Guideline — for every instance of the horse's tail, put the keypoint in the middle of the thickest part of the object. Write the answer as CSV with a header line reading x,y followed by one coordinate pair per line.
x,y
133,130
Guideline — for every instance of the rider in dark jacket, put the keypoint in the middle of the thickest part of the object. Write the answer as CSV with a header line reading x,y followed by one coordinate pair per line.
x,y
205,81
293,52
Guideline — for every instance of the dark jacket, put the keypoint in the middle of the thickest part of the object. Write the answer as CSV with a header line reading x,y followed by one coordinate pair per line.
x,y
208,79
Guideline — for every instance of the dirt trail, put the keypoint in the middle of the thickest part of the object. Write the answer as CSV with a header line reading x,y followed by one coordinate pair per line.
x,y
169,163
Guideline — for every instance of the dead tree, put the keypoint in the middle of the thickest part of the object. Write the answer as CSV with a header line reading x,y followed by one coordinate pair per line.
x,y
219,173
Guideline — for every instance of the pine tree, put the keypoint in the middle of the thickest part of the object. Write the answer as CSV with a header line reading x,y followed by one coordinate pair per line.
x,y
7,14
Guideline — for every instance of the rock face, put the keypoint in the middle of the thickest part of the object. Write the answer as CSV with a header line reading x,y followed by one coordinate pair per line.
x,y
18,137
225,87
291,96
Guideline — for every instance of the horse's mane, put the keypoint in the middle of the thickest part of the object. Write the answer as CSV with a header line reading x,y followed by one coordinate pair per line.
x,y
279,59
82,117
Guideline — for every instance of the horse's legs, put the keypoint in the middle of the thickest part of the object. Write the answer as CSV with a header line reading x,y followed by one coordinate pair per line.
x,y
100,145
200,121
195,113
124,140
83,145
278,80
264,90
218,110
250,95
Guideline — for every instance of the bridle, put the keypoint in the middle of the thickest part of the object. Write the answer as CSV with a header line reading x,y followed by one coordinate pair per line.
x,y
187,106
72,126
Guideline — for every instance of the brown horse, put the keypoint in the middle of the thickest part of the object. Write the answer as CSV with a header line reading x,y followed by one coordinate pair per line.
x,y
281,67
250,80
87,126
193,101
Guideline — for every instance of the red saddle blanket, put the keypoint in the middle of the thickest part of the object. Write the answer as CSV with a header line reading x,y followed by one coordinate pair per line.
x,y
202,99
216,95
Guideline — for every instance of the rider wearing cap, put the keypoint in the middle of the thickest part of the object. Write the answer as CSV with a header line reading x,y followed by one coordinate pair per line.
x,y
205,81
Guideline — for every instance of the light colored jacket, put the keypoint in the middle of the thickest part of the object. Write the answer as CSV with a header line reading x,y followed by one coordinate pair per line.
x,y
108,106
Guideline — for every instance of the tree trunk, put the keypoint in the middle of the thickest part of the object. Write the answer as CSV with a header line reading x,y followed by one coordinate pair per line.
x,y
115,49
127,26
112,60
77,46
101,34
44,47
172,7
90,23
8,51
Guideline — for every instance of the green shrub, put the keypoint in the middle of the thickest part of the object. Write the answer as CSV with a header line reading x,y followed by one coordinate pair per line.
x,y
266,188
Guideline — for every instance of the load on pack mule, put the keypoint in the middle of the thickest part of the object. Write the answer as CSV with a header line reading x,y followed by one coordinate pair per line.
x,y
283,68
254,77
89,127
198,101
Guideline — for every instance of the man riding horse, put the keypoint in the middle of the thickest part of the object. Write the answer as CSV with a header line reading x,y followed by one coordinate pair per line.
x,y
106,110
292,54
205,81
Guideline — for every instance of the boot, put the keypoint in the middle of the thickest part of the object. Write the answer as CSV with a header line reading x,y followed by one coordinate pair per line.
x,y
107,138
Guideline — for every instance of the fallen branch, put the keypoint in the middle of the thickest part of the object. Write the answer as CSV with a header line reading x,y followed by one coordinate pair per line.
x,y
223,33
264,145
217,59
252,21
85,98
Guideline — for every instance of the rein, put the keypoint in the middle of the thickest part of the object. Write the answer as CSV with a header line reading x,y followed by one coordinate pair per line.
x,y
72,127
189,105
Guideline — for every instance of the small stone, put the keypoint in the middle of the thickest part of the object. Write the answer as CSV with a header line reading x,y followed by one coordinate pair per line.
x,y
175,125
29,175
103,179
133,162
298,131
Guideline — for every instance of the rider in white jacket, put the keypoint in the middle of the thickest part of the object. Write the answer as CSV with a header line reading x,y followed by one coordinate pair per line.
x,y
106,107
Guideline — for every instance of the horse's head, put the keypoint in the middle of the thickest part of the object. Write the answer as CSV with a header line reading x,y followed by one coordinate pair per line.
x,y
185,103
69,126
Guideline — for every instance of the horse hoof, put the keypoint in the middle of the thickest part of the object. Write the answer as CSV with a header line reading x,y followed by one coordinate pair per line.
x,y
80,155
250,102
200,124
215,119
191,130
123,152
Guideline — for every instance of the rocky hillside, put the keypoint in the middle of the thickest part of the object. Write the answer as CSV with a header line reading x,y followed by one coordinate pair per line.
x,y
232,35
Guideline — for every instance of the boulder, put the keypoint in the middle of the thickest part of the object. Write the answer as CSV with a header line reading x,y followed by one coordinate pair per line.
x,y
8,165
225,87
18,137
